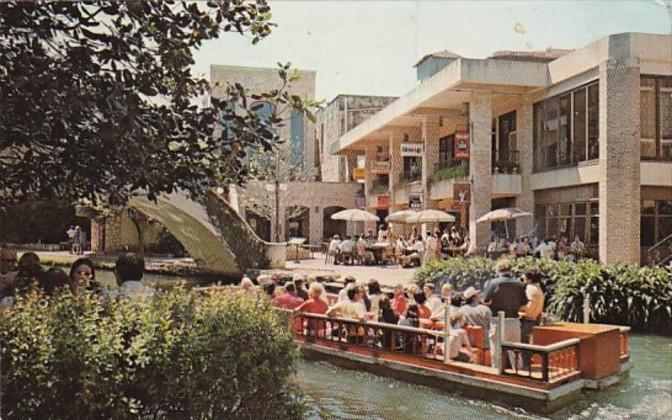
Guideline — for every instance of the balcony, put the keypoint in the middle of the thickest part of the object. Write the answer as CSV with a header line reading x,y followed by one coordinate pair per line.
x,y
506,162
441,182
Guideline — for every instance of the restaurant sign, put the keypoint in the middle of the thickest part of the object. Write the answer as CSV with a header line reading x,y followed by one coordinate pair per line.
x,y
381,161
383,202
411,149
415,201
359,174
461,192
461,151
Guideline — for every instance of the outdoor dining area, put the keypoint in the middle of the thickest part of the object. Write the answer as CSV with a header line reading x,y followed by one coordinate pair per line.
x,y
411,238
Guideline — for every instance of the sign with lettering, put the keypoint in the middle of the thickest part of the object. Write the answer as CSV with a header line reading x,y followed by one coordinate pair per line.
x,y
411,149
415,201
381,159
383,202
461,147
359,174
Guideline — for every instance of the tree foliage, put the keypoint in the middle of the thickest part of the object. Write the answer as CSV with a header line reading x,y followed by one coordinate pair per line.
x,y
97,99
179,355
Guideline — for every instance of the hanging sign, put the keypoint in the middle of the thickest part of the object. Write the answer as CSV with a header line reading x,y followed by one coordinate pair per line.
x,y
383,202
461,192
381,159
415,201
411,149
461,148
359,174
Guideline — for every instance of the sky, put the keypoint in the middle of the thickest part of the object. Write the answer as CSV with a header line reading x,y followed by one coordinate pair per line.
x,y
370,47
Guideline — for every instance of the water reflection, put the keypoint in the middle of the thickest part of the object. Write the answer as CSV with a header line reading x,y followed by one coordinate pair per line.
x,y
334,393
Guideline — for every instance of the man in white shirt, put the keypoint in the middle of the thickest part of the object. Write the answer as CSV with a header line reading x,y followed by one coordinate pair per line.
x,y
433,302
546,249
128,271
430,248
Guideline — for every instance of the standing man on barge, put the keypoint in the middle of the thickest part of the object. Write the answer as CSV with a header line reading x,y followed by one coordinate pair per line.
x,y
507,294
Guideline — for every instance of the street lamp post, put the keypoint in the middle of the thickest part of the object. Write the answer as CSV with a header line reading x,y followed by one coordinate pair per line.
x,y
277,209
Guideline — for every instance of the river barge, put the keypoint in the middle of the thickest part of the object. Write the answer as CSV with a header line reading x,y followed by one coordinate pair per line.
x,y
567,359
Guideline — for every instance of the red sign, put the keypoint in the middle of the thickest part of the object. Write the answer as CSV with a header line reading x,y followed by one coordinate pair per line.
x,y
461,148
382,202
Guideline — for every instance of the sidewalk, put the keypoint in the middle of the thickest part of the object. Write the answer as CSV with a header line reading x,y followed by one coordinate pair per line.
x,y
386,275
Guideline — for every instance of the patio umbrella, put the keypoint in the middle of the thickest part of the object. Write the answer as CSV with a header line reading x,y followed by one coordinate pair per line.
x,y
430,216
400,216
355,215
502,215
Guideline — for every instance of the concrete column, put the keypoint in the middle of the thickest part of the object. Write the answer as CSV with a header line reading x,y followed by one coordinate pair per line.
x,y
430,138
619,184
480,167
396,162
524,137
370,177
316,225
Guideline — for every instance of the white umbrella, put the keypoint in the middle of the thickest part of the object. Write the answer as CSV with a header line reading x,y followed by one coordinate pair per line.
x,y
355,215
503,214
400,216
430,216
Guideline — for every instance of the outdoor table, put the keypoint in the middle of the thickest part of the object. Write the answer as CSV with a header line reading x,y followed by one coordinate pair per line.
x,y
377,249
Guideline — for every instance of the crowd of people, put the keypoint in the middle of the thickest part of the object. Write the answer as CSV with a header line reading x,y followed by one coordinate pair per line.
x,y
18,275
532,246
408,251
521,301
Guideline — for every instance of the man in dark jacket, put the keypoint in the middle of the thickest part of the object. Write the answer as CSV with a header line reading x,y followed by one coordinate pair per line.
x,y
504,294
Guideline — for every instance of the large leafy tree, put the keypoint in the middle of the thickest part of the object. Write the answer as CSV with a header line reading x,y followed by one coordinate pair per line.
x,y
97,100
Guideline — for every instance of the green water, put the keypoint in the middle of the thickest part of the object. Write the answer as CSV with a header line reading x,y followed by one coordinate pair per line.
x,y
334,393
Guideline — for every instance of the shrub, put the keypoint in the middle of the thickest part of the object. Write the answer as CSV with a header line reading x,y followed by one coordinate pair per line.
x,y
619,294
178,355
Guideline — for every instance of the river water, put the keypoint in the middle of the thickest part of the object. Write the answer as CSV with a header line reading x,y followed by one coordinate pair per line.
x,y
335,393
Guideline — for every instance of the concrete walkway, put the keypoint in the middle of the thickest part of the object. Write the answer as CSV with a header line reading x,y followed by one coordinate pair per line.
x,y
386,275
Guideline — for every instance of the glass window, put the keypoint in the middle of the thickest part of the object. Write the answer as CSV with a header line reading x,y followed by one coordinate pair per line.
x,y
594,230
665,207
647,111
296,129
507,125
665,117
565,209
579,229
565,131
647,235
580,209
580,125
664,227
594,208
593,121
446,151
648,207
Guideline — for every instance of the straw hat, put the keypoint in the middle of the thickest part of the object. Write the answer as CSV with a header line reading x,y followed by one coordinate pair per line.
x,y
470,292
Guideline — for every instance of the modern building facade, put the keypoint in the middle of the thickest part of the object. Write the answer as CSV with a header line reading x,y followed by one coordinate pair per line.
x,y
582,139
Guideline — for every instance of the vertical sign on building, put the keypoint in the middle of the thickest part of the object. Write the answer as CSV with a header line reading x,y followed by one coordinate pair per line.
x,y
461,150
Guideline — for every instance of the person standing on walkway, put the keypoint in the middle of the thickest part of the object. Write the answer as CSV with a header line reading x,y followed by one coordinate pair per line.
x,y
71,238
530,314
507,294
430,248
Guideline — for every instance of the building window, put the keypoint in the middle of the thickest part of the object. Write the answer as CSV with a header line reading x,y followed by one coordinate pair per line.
x,y
412,168
566,129
579,219
446,151
655,117
656,221
296,133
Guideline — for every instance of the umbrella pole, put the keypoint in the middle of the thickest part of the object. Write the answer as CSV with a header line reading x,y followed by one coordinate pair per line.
x,y
506,227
